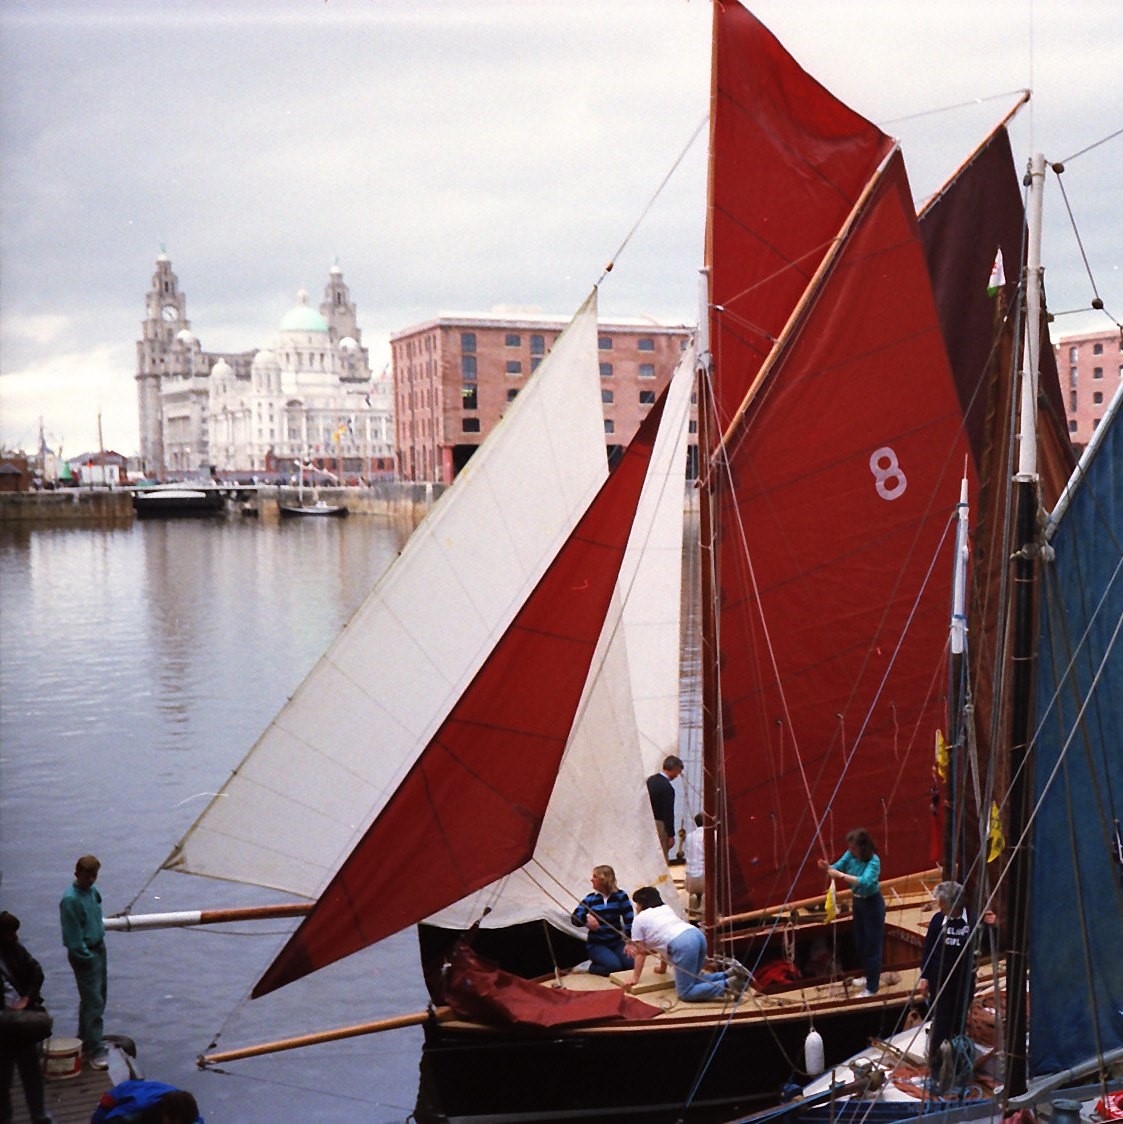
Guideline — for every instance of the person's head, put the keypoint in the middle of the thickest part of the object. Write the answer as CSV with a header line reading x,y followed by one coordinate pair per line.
x,y
647,897
949,897
9,927
672,765
86,871
860,844
698,819
178,1107
604,879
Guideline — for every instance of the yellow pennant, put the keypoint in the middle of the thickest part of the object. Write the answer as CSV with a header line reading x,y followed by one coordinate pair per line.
x,y
996,841
830,904
941,756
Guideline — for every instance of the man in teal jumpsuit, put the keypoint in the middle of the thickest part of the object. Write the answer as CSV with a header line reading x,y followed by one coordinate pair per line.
x,y
83,933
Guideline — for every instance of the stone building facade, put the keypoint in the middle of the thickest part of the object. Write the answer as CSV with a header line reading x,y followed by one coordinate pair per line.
x,y
309,397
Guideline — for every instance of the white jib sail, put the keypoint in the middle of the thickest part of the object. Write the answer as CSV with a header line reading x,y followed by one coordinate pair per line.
x,y
324,768
599,811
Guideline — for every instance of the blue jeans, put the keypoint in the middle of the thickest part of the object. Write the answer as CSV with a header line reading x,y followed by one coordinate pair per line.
x,y
687,952
608,958
869,936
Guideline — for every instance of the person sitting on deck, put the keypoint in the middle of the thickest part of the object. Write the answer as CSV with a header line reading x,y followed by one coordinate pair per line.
x,y
607,913
658,930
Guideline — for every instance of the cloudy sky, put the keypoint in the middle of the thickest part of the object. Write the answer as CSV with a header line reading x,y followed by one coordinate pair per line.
x,y
456,155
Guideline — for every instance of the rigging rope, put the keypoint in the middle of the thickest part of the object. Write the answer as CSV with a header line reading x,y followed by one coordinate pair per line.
x,y
1097,300
658,191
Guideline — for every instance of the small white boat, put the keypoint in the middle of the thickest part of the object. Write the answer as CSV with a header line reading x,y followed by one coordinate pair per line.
x,y
320,508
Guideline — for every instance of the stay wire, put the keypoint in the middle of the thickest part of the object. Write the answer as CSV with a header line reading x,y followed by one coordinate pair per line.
x,y
651,203
1097,302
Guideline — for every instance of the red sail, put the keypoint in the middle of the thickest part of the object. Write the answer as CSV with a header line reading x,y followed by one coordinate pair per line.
x,y
789,162
834,569
979,212
470,809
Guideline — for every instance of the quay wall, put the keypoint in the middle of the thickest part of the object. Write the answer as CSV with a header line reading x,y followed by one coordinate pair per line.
x,y
69,505
404,501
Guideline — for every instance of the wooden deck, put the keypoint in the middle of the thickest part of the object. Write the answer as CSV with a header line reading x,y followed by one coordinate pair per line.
x,y
70,1101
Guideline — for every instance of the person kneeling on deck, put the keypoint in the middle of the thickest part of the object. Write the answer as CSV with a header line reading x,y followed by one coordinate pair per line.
x,y
658,930
607,914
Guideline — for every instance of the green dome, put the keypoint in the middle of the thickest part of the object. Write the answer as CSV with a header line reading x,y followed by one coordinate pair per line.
x,y
302,318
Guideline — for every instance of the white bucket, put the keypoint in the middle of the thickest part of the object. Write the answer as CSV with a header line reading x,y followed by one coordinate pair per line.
x,y
62,1058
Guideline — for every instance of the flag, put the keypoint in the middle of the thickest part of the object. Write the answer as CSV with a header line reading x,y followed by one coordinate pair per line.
x,y
830,905
996,841
997,275
941,765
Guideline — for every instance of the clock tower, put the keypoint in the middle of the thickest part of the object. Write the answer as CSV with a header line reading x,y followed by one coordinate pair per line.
x,y
158,359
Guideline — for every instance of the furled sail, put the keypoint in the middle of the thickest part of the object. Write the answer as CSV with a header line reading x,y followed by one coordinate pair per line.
x,y
627,721
471,807
311,786
835,489
1076,915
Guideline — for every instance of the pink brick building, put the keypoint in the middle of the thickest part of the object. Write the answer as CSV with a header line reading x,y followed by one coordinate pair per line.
x,y
1090,366
455,375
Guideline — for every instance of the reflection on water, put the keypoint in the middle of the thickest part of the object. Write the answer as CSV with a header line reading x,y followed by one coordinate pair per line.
x,y
137,667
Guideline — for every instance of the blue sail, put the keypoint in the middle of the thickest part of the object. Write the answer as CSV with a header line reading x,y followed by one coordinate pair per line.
x,y
1076,927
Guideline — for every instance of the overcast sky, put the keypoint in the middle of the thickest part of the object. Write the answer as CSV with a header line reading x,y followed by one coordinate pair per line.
x,y
455,155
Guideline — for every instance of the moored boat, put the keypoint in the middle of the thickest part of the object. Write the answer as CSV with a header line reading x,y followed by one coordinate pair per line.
x,y
509,671
168,502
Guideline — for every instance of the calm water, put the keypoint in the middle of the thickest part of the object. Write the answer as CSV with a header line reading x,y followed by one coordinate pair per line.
x,y
137,667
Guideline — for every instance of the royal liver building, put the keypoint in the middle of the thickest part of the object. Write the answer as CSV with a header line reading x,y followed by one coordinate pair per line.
x,y
309,397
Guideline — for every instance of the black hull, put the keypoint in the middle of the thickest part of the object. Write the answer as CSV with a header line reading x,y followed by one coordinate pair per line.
x,y
631,1072
172,506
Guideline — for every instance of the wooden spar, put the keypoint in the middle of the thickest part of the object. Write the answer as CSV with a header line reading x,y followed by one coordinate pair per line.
x,y
126,922
441,1014
1006,119
779,345
772,910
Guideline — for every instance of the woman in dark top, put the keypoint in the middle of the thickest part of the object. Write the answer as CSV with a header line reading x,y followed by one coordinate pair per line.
x,y
607,914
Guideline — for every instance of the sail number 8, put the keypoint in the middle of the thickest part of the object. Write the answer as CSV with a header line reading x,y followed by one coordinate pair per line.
x,y
887,475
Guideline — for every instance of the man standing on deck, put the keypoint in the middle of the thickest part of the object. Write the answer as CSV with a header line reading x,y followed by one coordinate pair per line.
x,y
661,793
83,933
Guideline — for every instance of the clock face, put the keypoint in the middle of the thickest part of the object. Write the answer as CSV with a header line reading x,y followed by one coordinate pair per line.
x,y
170,312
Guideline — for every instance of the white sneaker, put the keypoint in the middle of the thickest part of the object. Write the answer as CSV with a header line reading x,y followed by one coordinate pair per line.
x,y
859,981
865,993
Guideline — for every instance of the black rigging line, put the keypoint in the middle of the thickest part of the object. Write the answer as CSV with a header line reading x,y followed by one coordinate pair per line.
x,y
1097,300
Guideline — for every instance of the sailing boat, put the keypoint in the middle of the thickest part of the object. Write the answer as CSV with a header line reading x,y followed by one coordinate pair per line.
x,y
480,719
1075,1032
317,507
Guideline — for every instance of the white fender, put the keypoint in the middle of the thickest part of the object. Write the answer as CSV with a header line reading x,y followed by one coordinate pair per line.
x,y
813,1053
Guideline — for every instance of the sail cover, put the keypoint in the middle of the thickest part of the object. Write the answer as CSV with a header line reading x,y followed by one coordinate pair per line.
x,y
315,780
470,809
1076,911
834,565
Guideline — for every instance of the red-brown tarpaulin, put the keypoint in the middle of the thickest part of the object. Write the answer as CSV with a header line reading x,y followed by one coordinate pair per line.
x,y
476,989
